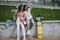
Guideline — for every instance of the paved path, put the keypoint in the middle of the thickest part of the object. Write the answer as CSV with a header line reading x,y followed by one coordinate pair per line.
x,y
50,29
36,6
47,7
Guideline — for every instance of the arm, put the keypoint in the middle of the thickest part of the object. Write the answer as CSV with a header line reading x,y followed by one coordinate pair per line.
x,y
31,5
14,12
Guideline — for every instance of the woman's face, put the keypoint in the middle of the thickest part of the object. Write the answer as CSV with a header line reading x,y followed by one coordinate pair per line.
x,y
22,8
26,8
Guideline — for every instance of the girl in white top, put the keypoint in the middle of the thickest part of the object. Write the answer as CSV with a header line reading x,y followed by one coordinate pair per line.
x,y
28,17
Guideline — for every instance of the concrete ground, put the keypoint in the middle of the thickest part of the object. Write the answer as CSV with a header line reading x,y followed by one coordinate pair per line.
x,y
30,38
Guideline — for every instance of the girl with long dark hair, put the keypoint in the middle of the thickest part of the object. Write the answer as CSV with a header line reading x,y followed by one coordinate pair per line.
x,y
20,22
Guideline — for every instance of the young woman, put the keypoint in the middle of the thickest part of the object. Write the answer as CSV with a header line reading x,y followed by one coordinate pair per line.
x,y
28,17
20,22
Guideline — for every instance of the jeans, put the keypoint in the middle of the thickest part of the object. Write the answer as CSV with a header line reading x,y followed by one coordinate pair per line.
x,y
30,24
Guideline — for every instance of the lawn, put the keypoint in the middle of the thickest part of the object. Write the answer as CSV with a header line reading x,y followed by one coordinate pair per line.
x,y
48,14
5,13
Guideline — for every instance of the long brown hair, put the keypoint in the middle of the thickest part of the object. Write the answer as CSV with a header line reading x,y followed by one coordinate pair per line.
x,y
24,7
19,8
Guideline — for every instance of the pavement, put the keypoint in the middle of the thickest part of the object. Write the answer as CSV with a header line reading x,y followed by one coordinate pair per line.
x,y
50,29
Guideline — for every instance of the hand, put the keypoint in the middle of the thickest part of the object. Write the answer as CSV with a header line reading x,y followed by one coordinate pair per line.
x,y
24,22
31,5
13,11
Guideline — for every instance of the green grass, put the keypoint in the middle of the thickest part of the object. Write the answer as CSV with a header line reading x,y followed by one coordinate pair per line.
x,y
48,14
5,13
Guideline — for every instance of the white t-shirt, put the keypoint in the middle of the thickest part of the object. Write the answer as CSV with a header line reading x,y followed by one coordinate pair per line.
x,y
28,14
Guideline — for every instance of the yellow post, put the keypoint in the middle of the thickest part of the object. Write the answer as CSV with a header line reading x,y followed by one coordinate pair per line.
x,y
39,30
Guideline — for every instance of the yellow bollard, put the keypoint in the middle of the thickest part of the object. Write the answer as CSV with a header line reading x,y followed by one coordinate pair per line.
x,y
39,30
